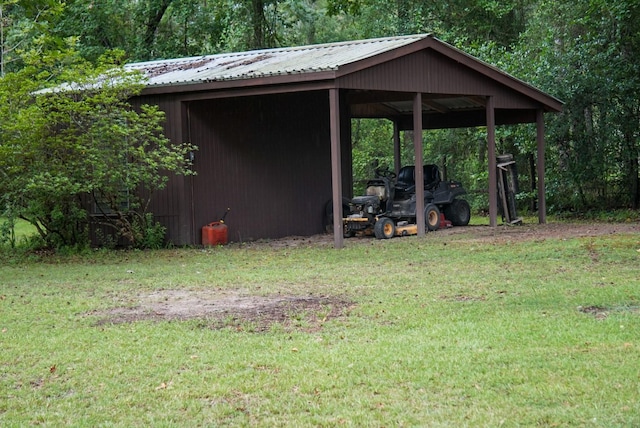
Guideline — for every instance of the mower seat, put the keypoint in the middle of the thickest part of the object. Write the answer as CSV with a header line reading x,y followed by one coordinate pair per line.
x,y
406,178
431,176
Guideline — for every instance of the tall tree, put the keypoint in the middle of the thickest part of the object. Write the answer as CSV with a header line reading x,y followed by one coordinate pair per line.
x,y
153,14
583,53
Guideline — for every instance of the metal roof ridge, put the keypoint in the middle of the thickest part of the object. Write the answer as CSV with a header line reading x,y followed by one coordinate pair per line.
x,y
240,54
346,42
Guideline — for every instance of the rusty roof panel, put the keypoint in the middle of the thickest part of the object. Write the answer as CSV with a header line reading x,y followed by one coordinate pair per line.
x,y
266,62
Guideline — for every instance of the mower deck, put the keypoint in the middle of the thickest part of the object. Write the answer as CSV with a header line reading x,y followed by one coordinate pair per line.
x,y
403,228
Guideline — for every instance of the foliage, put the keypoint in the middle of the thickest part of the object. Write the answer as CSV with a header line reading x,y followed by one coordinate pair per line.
x,y
74,146
148,233
177,28
22,26
611,216
8,232
372,149
581,52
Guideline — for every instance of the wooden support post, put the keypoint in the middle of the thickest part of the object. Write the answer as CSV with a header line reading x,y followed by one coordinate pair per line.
x,y
542,202
397,152
419,173
491,154
336,167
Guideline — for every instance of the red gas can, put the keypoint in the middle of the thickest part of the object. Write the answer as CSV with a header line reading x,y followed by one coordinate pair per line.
x,y
214,234
444,222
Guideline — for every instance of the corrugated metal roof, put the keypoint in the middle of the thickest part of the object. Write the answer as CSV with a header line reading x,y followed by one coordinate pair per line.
x,y
266,62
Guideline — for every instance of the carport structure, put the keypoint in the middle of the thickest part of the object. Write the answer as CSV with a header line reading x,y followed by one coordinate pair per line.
x,y
239,108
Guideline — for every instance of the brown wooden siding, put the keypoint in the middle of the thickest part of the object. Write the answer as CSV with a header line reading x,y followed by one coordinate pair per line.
x,y
170,206
439,74
267,158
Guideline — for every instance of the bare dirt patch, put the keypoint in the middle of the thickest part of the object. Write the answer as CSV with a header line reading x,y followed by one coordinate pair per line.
x,y
225,309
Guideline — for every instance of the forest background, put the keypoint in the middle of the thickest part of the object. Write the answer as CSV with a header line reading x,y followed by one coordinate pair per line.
x,y
585,53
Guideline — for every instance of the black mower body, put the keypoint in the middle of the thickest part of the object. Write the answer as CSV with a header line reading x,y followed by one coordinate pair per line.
x,y
387,198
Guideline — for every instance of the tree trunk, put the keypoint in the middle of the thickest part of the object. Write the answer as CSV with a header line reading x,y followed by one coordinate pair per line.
x,y
532,173
634,182
157,9
258,23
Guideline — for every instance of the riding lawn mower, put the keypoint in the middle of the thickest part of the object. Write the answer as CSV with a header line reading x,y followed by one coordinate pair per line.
x,y
388,207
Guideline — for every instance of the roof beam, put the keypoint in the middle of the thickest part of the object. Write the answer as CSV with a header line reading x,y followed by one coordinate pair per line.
x,y
375,97
434,105
468,118
373,111
477,100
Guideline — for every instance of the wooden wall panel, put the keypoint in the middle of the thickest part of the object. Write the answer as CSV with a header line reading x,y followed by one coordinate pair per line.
x,y
267,158
170,206
438,74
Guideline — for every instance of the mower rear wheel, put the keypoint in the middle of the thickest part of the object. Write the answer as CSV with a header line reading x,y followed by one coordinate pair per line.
x,y
432,217
327,218
458,212
384,228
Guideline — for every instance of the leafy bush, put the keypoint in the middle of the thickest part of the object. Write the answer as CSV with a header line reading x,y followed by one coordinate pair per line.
x,y
150,234
79,144
7,232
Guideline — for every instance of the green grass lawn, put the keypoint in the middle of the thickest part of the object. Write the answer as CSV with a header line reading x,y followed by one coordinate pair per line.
x,y
445,330
24,229
22,232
